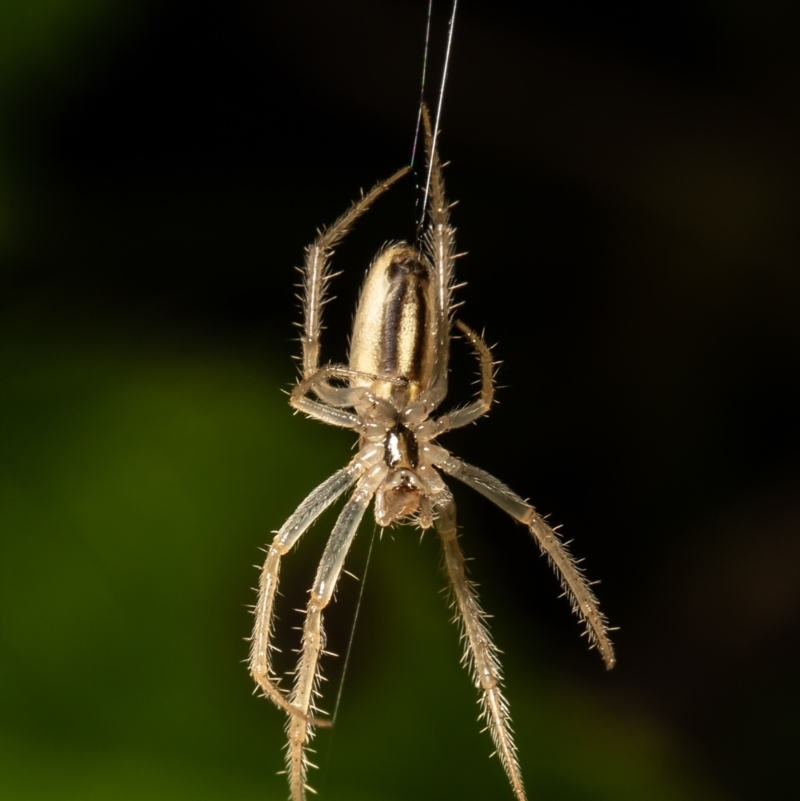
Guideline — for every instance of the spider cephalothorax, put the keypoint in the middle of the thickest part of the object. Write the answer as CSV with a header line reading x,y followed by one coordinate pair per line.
x,y
395,381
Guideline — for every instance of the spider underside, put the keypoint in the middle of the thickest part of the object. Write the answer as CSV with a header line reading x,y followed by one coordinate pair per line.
x,y
396,378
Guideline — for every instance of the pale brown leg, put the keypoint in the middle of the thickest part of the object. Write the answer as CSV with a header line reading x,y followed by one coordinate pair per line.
x,y
573,581
300,727
316,275
305,514
480,652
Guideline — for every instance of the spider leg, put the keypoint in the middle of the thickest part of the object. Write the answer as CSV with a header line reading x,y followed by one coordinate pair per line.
x,y
316,274
300,726
573,581
440,241
305,514
481,405
479,650
331,415
330,409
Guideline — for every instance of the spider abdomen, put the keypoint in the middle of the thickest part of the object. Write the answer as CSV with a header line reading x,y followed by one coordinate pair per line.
x,y
394,329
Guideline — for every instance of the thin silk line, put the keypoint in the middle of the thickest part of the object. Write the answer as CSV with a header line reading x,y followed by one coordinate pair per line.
x,y
353,631
441,99
422,83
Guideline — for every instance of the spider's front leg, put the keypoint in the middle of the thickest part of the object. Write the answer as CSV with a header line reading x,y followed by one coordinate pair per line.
x,y
480,652
573,581
300,726
291,531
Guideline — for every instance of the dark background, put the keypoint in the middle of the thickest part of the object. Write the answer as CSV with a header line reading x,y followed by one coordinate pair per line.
x,y
628,182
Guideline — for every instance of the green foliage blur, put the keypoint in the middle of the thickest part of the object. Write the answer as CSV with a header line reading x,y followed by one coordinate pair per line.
x,y
162,164
128,481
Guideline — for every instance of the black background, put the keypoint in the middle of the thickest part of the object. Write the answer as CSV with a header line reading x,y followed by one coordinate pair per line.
x,y
627,178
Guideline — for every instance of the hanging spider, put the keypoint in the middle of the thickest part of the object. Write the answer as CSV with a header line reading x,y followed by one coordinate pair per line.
x,y
396,379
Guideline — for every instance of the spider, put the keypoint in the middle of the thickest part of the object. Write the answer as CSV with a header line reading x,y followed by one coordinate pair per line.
x,y
395,380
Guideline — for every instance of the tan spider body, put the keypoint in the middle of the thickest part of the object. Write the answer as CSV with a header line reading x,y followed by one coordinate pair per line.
x,y
396,378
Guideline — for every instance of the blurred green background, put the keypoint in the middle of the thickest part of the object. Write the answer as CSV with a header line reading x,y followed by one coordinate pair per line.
x,y
629,186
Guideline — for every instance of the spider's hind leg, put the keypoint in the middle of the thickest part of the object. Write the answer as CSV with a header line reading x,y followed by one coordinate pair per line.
x,y
316,272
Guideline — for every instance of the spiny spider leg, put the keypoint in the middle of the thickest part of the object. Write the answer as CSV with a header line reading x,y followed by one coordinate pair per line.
x,y
573,581
291,531
480,652
316,273
325,413
472,411
479,407
300,726
337,397
440,242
